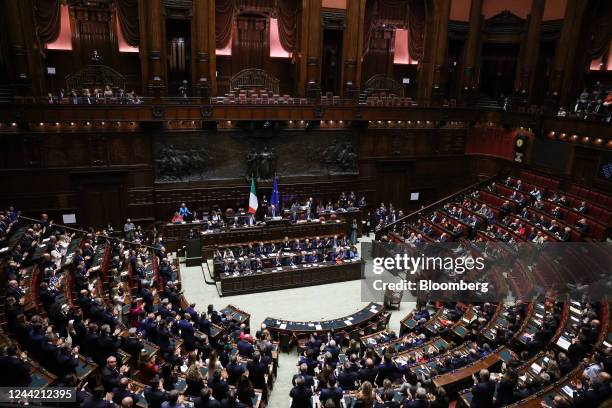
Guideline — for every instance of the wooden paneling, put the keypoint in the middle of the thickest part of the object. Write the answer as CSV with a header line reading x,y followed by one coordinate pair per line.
x,y
63,172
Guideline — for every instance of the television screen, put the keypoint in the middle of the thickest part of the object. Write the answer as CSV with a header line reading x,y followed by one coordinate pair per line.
x,y
551,153
605,167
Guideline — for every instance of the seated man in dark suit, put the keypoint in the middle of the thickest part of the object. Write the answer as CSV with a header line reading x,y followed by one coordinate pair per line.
x,y
483,391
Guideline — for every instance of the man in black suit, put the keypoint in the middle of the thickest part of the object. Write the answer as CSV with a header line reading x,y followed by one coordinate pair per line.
x,y
331,392
257,371
155,394
14,372
420,399
205,400
369,372
347,379
219,386
594,394
110,375
99,399
122,390
308,379
108,344
132,345
300,394
245,348
234,370
483,391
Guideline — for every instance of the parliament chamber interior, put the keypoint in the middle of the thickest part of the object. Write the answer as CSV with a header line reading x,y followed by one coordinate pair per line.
x,y
207,203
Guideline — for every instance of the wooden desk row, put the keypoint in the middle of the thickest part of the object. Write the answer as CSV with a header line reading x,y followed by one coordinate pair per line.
x,y
288,277
176,234
287,331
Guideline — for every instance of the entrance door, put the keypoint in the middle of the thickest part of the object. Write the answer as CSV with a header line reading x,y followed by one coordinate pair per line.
x,y
102,201
498,69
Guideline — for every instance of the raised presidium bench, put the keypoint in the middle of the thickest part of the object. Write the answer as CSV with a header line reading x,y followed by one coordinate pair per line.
x,y
371,318
176,234
284,277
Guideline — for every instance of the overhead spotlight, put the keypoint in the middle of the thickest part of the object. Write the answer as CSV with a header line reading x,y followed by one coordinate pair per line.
x,y
71,123
598,141
56,123
40,124
585,139
102,123
340,122
87,123
193,122
13,124
229,122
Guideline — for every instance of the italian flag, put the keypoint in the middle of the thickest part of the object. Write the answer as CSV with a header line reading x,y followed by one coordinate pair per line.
x,y
253,204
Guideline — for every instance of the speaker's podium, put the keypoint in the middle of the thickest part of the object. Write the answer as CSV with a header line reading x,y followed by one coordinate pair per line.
x,y
193,252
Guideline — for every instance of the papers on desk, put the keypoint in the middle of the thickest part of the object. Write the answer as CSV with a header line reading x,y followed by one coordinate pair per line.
x,y
567,390
318,327
3,250
564,343
293,267
536,368
283,326
348,322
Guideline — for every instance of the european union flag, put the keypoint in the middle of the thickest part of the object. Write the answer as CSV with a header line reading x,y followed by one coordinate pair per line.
x,y
274,196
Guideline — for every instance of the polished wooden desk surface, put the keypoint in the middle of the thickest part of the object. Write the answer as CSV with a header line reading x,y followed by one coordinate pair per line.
x,y
372,310
290,277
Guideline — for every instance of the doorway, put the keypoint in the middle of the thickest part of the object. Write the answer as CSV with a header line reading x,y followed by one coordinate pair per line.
x,y
332,53
498,69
